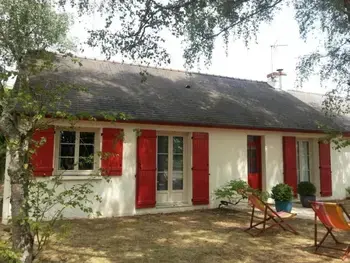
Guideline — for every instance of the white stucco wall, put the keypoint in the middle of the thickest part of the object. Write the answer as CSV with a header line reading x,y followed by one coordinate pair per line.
x,y
227,161
227,158
272,150
340,161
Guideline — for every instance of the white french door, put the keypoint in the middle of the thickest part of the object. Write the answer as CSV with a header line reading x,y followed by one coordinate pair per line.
x,y
171,186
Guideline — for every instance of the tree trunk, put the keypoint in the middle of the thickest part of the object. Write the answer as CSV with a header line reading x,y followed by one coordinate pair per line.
x,y
22,238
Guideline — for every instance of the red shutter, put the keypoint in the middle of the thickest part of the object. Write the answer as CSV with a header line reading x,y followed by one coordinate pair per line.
x,y
325,169
42,159
146,169
112,147
200,169
290,162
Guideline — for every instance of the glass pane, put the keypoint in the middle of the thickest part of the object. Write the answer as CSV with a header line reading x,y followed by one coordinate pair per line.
x,y
178,163
252,161
178,144
66,163
162,144
67,136
86,157
162,181
86,163
86,150
67,150
303,161
250,138
162,162
87,138
177,181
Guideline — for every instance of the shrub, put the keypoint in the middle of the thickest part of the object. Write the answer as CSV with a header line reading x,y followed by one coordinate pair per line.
x,y
262,194
7,254
235,190
306,189
282,192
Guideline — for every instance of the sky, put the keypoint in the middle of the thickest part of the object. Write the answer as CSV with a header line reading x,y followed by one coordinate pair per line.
x,y
252,62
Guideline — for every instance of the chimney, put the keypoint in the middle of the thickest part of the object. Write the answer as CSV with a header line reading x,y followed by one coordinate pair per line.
x,y
272,78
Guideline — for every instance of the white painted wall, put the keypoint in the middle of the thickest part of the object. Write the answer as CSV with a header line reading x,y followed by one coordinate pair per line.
x,y
227,158
273,154
227,161
340,162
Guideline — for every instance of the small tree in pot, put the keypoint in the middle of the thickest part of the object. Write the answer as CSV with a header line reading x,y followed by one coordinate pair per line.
x,y
307,191
283,196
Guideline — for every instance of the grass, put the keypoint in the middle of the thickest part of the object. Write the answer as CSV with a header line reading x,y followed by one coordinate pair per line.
x,y
206,236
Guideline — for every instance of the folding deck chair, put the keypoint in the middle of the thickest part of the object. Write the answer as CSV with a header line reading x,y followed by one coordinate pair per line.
x,y
269,214
332,217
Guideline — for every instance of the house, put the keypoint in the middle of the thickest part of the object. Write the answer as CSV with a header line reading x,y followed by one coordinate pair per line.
x,y
187,135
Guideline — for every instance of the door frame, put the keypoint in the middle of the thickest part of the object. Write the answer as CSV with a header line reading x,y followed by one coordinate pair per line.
x,y
186,164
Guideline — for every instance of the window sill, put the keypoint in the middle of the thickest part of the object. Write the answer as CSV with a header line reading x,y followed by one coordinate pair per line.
x,y
77,177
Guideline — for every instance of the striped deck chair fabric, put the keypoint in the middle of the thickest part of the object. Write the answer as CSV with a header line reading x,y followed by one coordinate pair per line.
x,y
332,216
270,214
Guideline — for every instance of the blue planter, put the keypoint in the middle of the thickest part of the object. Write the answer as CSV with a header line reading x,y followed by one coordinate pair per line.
x,y
283,206
304,199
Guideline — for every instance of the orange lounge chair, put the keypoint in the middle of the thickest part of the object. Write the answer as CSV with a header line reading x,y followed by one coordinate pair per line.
x,y
332,217
269,214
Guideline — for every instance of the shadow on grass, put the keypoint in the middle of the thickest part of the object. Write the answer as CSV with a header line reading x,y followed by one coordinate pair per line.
x,y
199,236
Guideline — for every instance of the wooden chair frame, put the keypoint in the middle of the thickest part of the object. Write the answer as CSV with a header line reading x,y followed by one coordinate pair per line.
x,y
329,232
269,214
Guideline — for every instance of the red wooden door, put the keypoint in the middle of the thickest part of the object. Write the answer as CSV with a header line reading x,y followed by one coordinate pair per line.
x,y
254,162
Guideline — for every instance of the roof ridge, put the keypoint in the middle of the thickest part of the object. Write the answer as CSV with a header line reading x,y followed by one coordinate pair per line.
x,y
169,69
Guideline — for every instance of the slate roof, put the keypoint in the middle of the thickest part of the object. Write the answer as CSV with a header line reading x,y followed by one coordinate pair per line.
x,y
169,96
315,100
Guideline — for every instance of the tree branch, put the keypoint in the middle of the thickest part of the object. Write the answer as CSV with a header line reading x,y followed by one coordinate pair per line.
x,y
244,19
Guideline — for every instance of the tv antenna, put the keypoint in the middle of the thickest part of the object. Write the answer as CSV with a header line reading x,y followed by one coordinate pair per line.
x,y
273,48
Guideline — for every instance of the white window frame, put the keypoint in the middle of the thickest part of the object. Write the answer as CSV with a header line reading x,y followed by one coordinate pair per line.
x,y
97,148
309,155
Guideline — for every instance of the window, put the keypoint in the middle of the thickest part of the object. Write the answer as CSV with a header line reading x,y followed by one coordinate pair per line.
x,y
303,160
170,163
76,151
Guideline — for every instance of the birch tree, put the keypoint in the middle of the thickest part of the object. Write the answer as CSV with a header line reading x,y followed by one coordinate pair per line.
x,y
27,28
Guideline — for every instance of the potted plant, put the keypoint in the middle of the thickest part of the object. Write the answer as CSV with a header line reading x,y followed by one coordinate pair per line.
x,y
307,191
283,196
